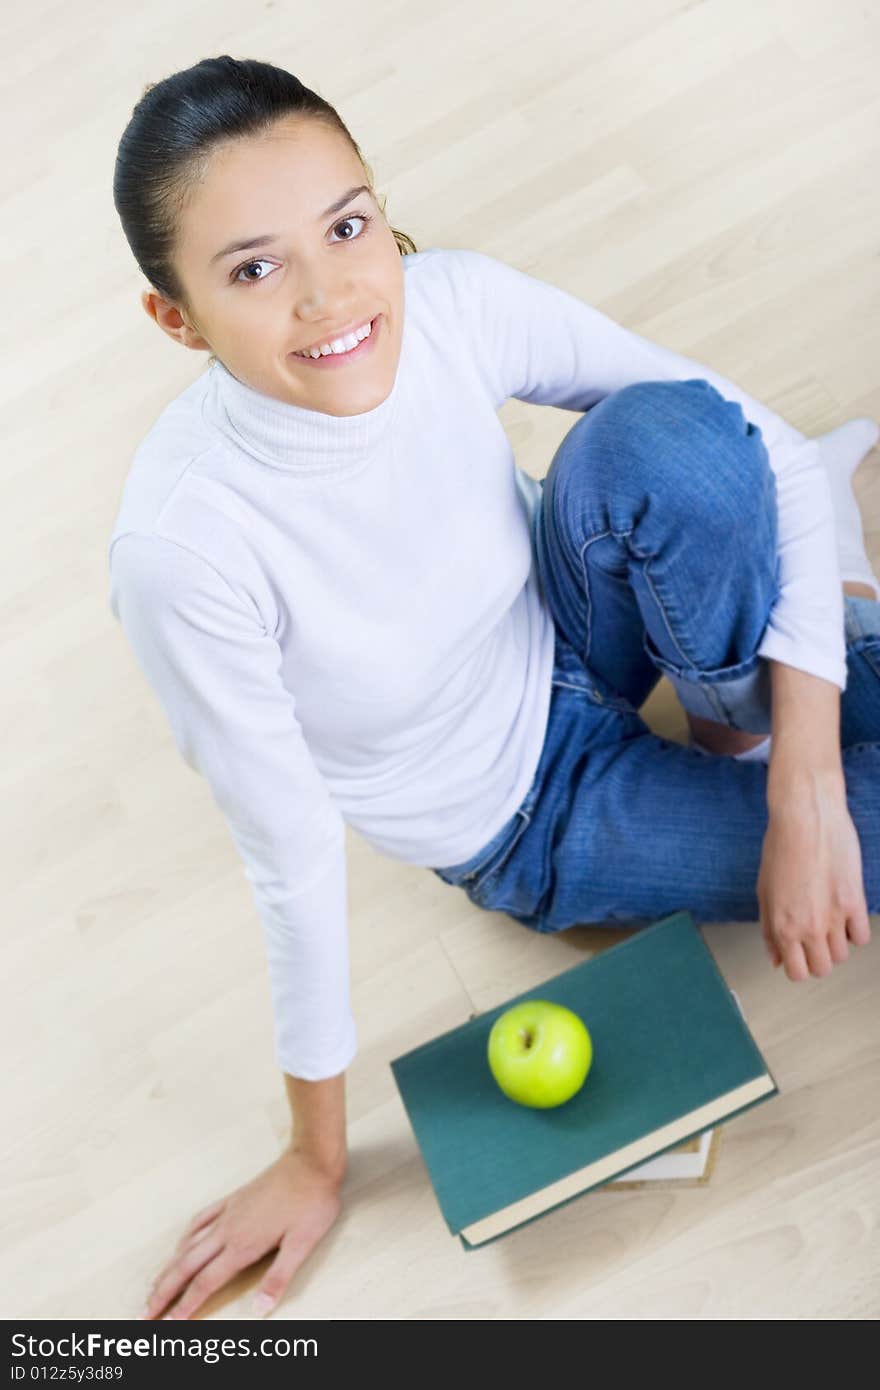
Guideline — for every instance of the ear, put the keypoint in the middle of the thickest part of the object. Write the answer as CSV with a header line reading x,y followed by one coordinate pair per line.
x,y
171,320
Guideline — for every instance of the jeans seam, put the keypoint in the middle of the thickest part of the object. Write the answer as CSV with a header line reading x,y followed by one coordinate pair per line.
x,y
590,691
477,880
585,583
714,696
569,685
475,872
714,699
871,652
709,689
688,661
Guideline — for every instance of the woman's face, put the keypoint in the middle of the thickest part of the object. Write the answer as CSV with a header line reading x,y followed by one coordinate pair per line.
x,y
319,269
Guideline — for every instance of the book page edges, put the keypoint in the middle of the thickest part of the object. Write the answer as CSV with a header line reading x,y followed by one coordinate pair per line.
x,y
658,1183
618,1162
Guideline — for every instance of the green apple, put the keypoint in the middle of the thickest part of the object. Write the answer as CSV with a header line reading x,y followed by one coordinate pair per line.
x,y
539,1053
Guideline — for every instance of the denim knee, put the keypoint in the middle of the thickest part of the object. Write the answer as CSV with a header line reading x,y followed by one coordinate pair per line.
x,y
678,438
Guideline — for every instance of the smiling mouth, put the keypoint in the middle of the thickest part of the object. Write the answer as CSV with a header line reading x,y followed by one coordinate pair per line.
x,y
357,352
361,334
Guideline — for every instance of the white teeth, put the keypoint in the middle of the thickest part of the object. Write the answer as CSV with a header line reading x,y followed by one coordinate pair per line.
x,y
339,345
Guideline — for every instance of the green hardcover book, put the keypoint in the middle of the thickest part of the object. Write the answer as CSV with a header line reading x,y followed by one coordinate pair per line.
x,y
672,1057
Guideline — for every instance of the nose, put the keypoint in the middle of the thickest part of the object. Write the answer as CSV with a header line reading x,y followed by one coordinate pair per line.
x,y
329,313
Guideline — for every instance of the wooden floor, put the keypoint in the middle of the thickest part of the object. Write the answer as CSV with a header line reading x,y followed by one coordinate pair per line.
x,y
704,173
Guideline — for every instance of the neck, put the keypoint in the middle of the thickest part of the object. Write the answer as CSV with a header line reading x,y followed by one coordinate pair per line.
x,y
304,442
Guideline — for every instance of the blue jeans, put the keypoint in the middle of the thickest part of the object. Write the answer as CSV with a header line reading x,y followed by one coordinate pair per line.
x,y
655,538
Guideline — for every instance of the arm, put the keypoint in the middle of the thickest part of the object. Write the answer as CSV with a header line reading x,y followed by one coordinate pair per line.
x,y
318,1112
216,672
287,1209
810,885
805,729
536,342
531,340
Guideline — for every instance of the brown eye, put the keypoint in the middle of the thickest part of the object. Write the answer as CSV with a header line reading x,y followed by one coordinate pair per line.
x,y
355,217
241,279
247,265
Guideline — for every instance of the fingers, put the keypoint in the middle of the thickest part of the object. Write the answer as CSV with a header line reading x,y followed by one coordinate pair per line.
x,y
772,949
183,1246
198,1230
817,955
795,961
211,1277
190,1242
279,1274
202,1217
837,945
179,1271
858,927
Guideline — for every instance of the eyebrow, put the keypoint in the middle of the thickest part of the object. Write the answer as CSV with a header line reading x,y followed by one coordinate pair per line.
x,y
264,240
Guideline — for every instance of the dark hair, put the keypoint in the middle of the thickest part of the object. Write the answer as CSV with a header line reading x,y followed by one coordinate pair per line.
x,y
174,128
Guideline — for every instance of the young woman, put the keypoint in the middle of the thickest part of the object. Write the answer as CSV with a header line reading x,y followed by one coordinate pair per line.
x,y
355,609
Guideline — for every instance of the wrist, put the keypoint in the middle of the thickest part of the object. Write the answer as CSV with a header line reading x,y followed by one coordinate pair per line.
x,y
797,785
805,726
318,1113
330,1164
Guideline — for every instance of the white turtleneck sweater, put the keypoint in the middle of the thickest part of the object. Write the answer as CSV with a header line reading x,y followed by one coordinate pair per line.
x,y
341,618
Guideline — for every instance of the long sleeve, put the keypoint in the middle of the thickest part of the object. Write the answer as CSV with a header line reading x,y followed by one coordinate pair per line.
x,y
540,344
216,673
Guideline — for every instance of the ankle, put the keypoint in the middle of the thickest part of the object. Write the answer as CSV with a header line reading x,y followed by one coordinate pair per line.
x,y
720,738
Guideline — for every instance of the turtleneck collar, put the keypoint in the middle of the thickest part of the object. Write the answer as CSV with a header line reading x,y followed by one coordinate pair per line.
x,y
305,443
